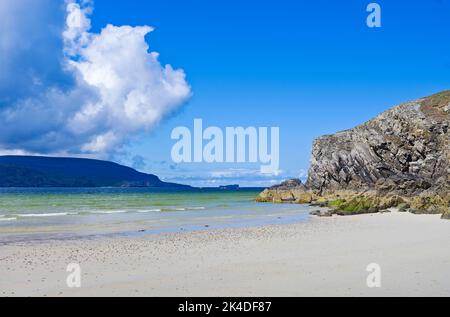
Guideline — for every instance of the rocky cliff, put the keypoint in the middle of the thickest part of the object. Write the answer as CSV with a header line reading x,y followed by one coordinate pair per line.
x,y
400,158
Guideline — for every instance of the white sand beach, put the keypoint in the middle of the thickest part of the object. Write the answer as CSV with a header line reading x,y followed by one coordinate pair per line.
x,y
323,257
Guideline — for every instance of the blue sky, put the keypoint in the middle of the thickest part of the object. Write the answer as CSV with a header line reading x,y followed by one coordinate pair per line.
x,y
308,67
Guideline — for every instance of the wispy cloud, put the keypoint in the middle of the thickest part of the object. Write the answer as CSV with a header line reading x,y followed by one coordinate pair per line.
x,y
247,177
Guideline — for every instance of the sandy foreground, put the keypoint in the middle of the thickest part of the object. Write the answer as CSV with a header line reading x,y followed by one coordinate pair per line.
x,y
324,257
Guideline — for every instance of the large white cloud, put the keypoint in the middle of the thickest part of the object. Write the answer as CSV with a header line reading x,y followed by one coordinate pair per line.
x,y
118,89
31,49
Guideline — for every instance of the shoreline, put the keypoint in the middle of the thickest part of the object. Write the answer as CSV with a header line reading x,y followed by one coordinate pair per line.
x,y
129,223
322,257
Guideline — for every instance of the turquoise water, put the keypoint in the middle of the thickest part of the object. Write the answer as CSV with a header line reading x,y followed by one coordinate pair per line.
x,y
39,213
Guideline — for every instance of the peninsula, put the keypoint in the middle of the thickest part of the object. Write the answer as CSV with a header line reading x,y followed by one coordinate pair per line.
x,y
38,171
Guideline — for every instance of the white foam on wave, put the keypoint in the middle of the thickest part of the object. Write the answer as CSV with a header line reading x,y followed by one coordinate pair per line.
x,y
101,212
44,215
109,212
7,219
146,211
169,209
59,214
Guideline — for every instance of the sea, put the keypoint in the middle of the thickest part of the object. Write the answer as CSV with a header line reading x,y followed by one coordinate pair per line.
x,y
67,213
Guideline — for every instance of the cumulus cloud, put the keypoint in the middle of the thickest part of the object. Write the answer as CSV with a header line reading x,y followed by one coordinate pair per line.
x,y
106,86
31,49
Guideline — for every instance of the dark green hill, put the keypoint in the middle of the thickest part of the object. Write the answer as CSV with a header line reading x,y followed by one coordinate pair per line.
x,y
36,171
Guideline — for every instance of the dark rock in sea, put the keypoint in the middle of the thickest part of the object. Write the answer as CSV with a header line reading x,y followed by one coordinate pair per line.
x,y
398,159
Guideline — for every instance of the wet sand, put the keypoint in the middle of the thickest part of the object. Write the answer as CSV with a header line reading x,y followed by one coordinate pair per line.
x,y
323,257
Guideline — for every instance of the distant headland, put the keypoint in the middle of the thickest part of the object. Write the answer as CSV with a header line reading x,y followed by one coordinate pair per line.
x,y
38,171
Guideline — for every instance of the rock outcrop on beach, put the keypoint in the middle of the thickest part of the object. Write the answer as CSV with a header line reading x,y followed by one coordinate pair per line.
x,y
398,159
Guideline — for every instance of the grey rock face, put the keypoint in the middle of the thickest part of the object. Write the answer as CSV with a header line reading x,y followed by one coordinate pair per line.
x,y
289,184
400,158
404,150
